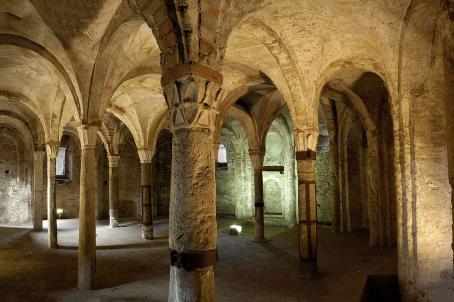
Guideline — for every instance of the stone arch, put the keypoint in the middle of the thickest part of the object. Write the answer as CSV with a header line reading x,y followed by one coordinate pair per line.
x,y
281,130
22,128
144,121
338,90
292,84
22,42
125,53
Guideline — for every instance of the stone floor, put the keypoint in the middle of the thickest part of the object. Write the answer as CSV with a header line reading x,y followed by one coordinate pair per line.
x,y
129,269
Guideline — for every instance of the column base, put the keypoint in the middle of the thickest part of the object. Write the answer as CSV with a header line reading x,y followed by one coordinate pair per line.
x,y
147,232
113,221
308,269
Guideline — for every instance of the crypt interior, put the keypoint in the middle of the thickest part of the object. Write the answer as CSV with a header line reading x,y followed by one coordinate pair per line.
x,y
226,150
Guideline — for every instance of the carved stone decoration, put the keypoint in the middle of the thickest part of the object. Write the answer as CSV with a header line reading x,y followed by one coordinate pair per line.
x,y
190,100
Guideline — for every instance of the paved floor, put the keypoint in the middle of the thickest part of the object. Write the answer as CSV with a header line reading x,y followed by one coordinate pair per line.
x,y
129,269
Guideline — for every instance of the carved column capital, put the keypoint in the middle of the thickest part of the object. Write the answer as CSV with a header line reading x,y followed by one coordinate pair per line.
x,y
145,156
306,138
39,155
52,149
113,160
88,135
191,100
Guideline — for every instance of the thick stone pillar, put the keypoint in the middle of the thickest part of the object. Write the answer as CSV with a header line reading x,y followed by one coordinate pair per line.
x,y
192,211
257,157
307,204
113,190
38,187
87,209
192,229
51,150
146,159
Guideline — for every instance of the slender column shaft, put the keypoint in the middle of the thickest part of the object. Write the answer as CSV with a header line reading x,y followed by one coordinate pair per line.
x,y
87,209
51,202
113,191
147,206
308,217
192,219
38,187
257,163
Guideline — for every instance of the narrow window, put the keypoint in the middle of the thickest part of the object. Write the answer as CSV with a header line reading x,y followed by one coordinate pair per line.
x,y
61,162
222,157
222,154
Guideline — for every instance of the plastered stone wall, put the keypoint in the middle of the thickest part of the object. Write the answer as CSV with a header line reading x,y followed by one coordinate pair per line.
x,y
323,181
15,191
129,195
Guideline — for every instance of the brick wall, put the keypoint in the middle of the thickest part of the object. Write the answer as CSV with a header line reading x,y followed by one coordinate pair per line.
x,y
15,187
67,194
323,180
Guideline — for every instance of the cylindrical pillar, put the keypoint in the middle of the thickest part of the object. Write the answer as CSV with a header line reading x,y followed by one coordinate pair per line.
x,y
192,219
113,191
147,205
51,149
307,207
87,209
38,176
257,157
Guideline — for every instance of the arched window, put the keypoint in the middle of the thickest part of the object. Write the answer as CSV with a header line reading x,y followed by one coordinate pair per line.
x,y
222,157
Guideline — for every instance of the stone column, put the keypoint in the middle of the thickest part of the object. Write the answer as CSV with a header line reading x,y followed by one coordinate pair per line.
x,y
87,209
257,157
51,150
192,211
146,159
38,175
307,204
113,190
291,184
